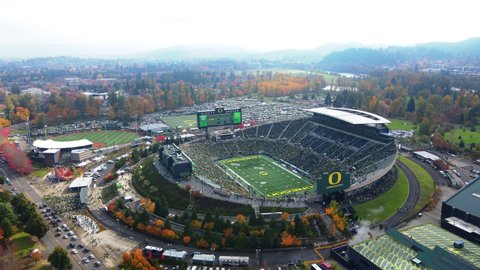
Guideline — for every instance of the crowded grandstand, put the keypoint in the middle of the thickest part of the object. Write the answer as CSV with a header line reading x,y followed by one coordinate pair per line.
x,y
329,139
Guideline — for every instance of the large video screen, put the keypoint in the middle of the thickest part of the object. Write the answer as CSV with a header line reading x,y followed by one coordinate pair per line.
x,y
219,117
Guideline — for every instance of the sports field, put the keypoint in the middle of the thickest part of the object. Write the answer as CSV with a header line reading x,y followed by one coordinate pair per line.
x,y
181,121
266,176
114,137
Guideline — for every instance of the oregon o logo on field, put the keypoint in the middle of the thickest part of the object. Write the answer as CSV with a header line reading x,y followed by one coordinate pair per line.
x,y
334,178
263,173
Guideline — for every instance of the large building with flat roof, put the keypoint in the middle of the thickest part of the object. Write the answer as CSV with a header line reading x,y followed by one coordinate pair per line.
x,y
422,247
175,160
461,212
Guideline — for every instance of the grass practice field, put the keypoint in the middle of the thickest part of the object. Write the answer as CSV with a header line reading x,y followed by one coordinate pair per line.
x,y
425,181
181,121
466,135
266,176
114,137
382,207
400,124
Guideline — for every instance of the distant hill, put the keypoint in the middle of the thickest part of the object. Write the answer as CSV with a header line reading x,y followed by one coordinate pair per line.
x,y
311,55
174,53
362,60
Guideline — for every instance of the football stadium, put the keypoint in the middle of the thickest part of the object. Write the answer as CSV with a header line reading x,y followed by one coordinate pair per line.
x,y
292,157
265,176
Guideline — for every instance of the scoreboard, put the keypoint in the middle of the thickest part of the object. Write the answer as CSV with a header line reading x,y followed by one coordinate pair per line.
x,y
333,181
219,117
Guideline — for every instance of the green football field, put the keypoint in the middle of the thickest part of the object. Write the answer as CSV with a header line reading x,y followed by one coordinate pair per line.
x,y
181,121
114,137
266,176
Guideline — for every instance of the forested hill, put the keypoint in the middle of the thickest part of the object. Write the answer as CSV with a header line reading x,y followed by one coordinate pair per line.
x,y
363,60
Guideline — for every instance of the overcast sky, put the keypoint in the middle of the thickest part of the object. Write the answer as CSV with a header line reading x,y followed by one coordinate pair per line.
x,y
141,25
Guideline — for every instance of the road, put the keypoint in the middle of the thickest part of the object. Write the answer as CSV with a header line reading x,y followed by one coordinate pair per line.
x,y
267,258
49,240
410,202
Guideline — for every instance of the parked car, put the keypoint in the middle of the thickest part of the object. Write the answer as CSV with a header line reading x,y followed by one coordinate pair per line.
x,y
74,251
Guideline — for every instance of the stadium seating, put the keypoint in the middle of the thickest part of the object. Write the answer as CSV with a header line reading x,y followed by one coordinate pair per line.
x,y
315,145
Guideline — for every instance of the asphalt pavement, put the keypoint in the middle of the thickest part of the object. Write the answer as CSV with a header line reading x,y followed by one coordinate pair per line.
x,y
49,240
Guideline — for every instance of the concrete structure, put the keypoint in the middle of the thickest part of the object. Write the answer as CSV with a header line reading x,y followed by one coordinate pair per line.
x,y
35,92
175,160
79,183
461,212
52,156
422,247
80,155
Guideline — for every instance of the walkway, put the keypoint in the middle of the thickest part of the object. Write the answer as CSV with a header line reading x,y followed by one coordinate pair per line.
x,y
410,202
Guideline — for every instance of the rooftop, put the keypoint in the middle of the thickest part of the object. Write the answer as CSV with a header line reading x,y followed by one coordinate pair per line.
x,y
173,253
427,155
467,199
354,117
80,182
154,127
47,144
431,245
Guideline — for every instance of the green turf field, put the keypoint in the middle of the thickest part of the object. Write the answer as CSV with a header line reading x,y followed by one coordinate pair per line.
x,y
382,207
426,184
400,124
181,121
266,176
468,136
114,137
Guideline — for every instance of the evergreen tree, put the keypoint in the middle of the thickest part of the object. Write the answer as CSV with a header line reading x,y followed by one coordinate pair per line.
x,y
411,105
36,226
266,241
299,228
252,219
328,100
462,144
7,227
187,230
59,259
167,224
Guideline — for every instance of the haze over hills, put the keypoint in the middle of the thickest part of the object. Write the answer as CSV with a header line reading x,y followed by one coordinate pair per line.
x,y
342,57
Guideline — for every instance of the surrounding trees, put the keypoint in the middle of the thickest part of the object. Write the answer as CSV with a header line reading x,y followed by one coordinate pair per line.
x,y
59,259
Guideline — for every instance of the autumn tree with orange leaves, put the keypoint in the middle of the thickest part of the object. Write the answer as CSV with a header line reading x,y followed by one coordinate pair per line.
x,y
134,260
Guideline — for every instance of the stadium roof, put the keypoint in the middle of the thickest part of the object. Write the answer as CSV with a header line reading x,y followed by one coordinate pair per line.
x,y
429,244
355,117
48,144
467,199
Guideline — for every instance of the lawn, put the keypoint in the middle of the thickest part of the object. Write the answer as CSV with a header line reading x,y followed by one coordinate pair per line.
x,y
114,137
425,181
466,135
266,176
150,184
181,121
39,170
23,244
400,124
382,207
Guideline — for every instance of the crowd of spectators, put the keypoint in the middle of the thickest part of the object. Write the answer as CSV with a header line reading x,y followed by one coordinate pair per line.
x,y
312,146
63,203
